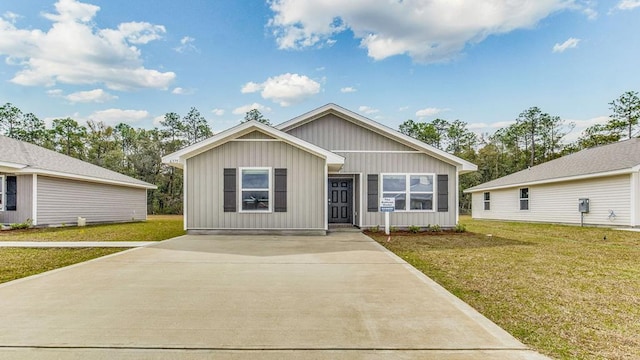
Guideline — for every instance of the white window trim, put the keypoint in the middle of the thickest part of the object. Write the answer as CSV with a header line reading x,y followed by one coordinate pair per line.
x,y
485,201
270,191
3,197
407,191
520,198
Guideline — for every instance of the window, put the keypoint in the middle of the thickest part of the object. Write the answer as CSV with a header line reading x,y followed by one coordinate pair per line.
x,y
255,189
412,192
1,192
524,199
487,201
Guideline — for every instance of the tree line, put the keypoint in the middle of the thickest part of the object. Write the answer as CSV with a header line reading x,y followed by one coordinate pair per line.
x,y
534,137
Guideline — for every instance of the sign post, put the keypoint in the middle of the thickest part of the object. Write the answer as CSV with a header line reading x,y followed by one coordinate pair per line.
x,y
387,205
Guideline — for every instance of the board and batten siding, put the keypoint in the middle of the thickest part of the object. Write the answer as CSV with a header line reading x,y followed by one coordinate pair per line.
x,y
558,202
305,187
334,133
62,201
367,152
24,201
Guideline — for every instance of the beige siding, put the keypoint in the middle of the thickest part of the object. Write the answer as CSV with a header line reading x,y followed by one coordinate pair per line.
x,y
333,133
558,203
63,201
367,152
305,187
255,135
24,203
377,163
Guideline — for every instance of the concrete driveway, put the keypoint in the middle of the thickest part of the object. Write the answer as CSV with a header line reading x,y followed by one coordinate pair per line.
x,y
243,297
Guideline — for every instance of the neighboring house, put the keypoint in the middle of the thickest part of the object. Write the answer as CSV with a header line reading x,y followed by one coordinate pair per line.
x,y
52,189
550,192
328,166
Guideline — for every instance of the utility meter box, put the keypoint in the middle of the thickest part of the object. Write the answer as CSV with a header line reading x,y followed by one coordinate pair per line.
x,y
583,205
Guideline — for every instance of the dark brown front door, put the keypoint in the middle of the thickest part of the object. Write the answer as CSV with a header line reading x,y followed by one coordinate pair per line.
x,y
340,200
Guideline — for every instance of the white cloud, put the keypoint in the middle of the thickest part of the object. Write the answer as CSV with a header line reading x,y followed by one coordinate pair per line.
x,y
368,110
403,108
182,91
116,116
157,120
348,89
75,51
218,112
186,44
55,93
11,16
96,95
245,108
425,30
628,4
429,111
286,89
569,44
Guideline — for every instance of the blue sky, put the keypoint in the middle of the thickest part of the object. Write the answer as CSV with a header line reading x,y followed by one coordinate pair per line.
x,y
482,62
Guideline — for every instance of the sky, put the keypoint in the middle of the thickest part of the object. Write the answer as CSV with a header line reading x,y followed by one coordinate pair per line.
x,y
481,61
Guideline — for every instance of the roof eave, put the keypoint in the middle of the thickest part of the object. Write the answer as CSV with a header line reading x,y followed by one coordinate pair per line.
x,y
35,171
553,180
178,158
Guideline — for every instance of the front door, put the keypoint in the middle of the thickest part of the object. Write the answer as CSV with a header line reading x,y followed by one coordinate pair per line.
x,y
340,201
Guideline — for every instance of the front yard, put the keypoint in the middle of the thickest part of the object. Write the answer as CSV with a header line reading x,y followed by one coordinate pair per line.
x,y
16,263
563,290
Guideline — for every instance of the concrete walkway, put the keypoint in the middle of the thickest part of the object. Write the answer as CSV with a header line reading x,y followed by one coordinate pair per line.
x,y
75,244
342,296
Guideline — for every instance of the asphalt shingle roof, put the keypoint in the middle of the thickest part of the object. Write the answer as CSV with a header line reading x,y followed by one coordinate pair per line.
x,y
39,158
606,158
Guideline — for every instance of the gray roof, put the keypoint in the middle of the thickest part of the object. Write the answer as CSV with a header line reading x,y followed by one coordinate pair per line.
x,y
622,155
40,160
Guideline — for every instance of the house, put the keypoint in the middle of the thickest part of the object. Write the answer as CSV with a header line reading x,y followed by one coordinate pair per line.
x,y
50,188
328,166
604,180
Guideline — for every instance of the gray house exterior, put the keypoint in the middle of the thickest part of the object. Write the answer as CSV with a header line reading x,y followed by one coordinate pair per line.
x,y
53,189
608,176
328,166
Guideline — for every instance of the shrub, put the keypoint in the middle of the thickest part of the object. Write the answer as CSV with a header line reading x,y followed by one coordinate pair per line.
x,y
460,228
25,225
393,229
436,228
375,229
414,229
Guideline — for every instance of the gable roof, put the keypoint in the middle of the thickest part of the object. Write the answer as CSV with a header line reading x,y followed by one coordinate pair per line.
x,y
20,157
618,158
177,158
462,165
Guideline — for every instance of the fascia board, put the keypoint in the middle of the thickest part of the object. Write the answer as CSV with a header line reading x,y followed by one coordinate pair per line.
x,y
554,180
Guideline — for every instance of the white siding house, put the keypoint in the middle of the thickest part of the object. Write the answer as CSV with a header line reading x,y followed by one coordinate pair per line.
x,y
49,188
608,176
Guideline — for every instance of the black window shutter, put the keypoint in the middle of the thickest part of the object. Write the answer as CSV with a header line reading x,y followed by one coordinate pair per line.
x,y
280,187
372,193
12,192
443,193
230,190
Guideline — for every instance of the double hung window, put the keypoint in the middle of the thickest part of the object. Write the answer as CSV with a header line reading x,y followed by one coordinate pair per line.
x,y
524,199
412,192
255,189
487,201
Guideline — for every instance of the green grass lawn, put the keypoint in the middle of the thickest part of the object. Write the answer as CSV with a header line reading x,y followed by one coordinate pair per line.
x,y
16,263
563,290
21,262
157,227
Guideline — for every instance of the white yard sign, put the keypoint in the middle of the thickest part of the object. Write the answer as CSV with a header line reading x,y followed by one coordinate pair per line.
x,y
387,205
